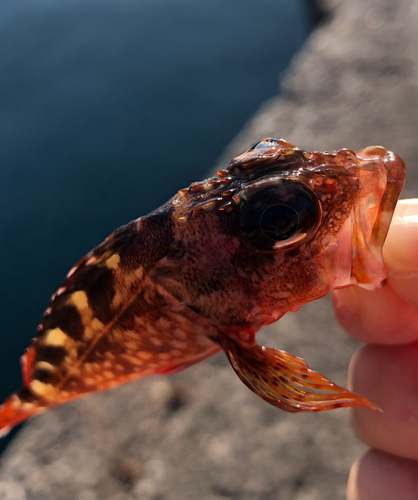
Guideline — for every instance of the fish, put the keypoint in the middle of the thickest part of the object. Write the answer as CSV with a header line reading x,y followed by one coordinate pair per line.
x,y
278,228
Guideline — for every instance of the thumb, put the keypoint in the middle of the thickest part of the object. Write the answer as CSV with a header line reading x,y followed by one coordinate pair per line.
x,y
401,251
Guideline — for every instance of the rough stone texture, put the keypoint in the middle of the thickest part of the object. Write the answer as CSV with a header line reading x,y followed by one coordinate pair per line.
x,y
201,433
354,84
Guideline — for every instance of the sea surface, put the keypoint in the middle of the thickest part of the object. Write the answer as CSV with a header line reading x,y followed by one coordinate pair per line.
x,y
107,108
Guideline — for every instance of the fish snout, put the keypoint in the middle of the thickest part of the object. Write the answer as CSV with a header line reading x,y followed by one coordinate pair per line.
x,y
381,175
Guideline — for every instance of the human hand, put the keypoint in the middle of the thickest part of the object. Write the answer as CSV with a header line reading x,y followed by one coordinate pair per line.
x,y
386,368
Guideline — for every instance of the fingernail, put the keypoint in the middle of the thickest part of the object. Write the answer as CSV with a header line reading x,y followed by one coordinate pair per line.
x,y
400,249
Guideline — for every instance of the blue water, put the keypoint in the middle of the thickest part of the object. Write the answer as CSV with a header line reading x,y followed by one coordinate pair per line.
x,y
106,109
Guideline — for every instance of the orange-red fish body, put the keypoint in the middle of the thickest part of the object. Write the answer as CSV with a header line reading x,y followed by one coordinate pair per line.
x,y
278,228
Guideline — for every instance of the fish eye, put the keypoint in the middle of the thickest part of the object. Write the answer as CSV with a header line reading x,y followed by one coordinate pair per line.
x,y
278,217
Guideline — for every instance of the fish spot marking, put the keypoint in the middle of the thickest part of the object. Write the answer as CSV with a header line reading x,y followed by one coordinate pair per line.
x,y
92,260
129,279
139,273
131,334
44,365
144,355
179,344
117,335
164,355
55,337
88,333
117,299
96,324
27,406
79,300
40,388
113,261
132,359
131,345
88,368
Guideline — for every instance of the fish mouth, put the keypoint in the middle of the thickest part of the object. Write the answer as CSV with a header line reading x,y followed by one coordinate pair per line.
x,y
381,175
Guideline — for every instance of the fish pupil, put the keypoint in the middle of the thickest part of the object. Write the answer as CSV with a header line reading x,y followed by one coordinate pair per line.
x,y
279,222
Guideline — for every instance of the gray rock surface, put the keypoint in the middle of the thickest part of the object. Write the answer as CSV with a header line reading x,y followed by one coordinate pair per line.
x,y
202,433
354,84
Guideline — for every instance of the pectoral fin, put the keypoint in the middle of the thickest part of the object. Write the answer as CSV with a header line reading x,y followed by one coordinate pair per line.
x,y
286,381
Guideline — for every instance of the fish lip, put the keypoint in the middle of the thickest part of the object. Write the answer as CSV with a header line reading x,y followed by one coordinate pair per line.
x,y
381,175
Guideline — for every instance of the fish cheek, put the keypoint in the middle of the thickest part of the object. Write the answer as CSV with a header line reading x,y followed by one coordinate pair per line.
x,y
285,281
317,267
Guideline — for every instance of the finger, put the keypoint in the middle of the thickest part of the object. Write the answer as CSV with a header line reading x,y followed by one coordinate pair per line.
x,y
379,316
388,376
389,314
382,476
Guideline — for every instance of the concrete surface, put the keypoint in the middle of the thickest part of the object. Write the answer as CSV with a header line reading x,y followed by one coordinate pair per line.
x,y
202,433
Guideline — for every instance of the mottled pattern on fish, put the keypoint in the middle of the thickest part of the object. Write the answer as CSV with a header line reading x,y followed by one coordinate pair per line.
x,y
278,228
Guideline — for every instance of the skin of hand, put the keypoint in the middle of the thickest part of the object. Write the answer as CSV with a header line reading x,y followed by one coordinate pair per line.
x,y
385,369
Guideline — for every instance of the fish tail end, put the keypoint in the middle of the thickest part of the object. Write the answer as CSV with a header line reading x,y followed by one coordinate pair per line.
x,y
14,411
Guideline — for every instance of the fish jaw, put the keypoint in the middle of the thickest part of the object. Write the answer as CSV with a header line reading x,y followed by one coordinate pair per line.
x,y
381,176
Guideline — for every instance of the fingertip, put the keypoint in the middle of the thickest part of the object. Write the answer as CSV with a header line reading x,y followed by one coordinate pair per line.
x,y
400,252
383,476
387,376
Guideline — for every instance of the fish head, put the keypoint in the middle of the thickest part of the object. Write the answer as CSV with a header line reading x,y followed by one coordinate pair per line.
x,y
321,217
281,227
